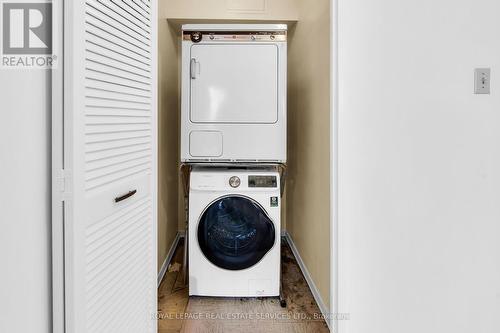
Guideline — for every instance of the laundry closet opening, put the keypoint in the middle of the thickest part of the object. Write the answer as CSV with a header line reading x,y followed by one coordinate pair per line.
x,y
305,202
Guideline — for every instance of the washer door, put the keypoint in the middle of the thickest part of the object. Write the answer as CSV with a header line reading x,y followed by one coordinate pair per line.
x,y
235,233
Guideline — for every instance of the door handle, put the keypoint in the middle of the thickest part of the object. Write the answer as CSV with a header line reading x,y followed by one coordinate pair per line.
x,y
193,68
125,196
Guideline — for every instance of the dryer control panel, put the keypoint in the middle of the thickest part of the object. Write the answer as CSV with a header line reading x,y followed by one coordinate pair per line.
x,y
236,36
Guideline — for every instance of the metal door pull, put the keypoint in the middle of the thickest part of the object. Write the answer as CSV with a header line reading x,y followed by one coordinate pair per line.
x,y
125,196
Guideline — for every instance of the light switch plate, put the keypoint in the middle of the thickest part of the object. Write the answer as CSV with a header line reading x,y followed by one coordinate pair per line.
x,y
482,78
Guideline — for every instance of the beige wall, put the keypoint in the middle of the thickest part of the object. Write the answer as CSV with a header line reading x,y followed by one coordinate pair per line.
x,y
308,185
173,13
168,136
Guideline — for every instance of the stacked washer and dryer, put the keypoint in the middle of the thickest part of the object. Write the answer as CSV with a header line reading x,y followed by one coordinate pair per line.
x,y
233,141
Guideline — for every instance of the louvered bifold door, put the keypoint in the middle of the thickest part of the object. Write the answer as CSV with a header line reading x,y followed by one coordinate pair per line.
x,y
110,158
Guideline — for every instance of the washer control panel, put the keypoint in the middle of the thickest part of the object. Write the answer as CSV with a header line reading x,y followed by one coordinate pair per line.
x,y
262,181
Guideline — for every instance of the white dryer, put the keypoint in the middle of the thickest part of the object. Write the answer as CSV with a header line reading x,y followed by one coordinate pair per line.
x,y
234,233
233,106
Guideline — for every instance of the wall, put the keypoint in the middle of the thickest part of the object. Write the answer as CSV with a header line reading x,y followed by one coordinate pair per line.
x,y
308,185
168,135
419,161
25,279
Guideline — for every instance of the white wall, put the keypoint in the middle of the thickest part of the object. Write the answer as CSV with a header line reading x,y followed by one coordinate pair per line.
x,y
25,278
419,166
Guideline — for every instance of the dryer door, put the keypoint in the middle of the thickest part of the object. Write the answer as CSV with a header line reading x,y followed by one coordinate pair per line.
x,y
234,83
235,233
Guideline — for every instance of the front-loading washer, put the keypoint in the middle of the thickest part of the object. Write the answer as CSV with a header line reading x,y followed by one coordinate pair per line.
x,y
234,232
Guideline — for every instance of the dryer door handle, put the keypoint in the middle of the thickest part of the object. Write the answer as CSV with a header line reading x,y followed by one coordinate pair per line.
x,y
194,68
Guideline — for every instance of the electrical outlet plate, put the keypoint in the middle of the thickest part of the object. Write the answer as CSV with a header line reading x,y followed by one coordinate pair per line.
x,y
482,77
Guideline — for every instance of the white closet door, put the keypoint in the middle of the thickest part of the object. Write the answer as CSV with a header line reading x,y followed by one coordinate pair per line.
x,y
110,156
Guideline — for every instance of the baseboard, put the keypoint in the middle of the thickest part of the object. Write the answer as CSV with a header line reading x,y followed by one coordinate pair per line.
x,y
171,251
317,297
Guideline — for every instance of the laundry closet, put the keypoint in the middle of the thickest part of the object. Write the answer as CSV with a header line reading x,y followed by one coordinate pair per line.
x,y
305,202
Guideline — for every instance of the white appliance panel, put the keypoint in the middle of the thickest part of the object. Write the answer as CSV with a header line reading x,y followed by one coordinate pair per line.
x,y
205,143
234,83
261,279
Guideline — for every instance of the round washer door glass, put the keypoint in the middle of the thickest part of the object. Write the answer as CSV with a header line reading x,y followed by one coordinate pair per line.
x,y
235,233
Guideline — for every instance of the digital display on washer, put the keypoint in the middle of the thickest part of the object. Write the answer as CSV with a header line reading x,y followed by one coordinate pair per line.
x,y
262,181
